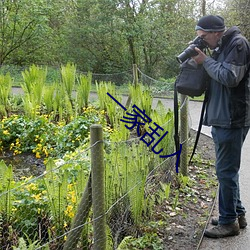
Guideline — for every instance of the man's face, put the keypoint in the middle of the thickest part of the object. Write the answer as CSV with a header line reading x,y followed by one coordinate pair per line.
x,y
211,38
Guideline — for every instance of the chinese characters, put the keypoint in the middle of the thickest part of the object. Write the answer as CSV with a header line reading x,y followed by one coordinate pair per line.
x,y
139,118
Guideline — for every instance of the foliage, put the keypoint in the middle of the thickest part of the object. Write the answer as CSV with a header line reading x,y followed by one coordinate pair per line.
x,y
6,184
44,138
22,245
83,90
5,90
165,119
48,98
112,109
141,97
30,204
236,13
106,36
126,170
23,28
43,206
147,241
68,74
34,81
51,200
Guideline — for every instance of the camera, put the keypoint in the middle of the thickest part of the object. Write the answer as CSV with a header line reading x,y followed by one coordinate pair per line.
x,y
190,51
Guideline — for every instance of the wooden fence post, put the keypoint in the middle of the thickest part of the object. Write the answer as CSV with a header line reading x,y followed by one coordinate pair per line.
x,y
135,74
98,195
135,82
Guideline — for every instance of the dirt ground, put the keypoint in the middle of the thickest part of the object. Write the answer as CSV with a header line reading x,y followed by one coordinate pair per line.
x,y
187,223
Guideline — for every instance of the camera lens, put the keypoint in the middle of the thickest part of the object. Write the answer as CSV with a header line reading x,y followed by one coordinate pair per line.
x,y
190,51
187,53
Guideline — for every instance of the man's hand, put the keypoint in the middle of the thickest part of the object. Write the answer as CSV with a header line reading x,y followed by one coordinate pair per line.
x,y
200,58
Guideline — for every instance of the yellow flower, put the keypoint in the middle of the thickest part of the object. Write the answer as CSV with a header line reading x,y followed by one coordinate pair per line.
x,y
16,152
45,151
14,209
73,199
6,132
69,211
31,186
37,196
38,156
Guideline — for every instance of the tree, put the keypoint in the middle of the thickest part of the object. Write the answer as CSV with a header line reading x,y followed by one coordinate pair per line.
x,y
101,36
21,21
237,12
109,36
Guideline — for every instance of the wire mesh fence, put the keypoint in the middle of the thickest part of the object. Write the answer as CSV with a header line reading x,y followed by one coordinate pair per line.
x,y
41,210
56,209
158,87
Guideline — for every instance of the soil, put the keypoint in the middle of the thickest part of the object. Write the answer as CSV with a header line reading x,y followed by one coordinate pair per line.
x,y
188,221
25,164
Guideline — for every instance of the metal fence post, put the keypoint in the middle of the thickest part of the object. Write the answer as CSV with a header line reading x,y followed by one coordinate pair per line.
x,y
98,196
184,135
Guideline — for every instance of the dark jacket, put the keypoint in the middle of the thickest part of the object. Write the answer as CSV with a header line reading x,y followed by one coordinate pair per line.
x,y
229,90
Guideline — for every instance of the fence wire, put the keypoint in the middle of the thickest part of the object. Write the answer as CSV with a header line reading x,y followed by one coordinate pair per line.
x,y
39,213
48,230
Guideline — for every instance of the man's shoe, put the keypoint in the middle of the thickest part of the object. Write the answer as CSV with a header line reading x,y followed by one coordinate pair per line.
x,y
241,219
221,231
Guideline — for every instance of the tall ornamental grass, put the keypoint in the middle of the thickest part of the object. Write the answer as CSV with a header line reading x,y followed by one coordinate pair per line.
x,y
5,91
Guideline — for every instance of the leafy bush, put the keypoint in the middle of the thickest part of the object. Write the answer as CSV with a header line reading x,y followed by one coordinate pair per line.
x,y
44,138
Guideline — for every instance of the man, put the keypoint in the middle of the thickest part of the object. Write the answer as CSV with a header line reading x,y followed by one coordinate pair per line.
x,y
228,112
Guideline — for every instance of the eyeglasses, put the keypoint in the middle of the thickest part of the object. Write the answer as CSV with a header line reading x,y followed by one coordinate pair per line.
x,y
203,36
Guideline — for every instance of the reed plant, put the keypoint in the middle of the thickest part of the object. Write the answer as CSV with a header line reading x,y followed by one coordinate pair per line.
x,y
126,172
68,75
165,119
113,110
34,80
62,106
102,89
56,184
141,97
83,91
6,184
5,90
48,98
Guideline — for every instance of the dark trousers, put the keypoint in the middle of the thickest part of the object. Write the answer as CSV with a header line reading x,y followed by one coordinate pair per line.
x,y
228,145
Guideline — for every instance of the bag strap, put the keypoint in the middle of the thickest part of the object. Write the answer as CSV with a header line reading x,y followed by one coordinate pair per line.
x,y
176,121
199,127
